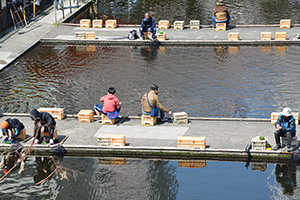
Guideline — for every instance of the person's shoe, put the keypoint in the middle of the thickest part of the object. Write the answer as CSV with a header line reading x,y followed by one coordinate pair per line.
x,y
277,147
164,119
141,38
36,141
99,120
5,140
152,39
51,142
13,141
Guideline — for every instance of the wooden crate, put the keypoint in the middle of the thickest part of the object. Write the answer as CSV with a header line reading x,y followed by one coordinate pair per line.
x,y
184,142
265,48
85,116
195,24
164,24
221,26
103,140
117,140
178,25
180,118
56,113
275,115
97,23
80,35
285,23
85,23
104,161
234,36
162,50
118,161
257,144
198,142
147,120
295,142
22,135
90,35
105,120
259,166
111,23
147,35
192,163
265,36
280,36
162,36
55,134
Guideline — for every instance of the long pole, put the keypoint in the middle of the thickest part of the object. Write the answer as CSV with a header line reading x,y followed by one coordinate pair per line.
x,y
63,8
70,6
33,8
17,13
55,11
13,19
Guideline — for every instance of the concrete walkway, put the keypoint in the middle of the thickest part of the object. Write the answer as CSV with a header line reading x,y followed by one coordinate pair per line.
x,y
16,42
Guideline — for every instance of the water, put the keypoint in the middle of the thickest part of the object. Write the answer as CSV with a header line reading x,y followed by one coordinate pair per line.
x,y
93,178
242,11
203,81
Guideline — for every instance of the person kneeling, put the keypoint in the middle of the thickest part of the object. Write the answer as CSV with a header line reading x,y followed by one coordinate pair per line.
x,y
148,25
43,123
286,128
111,106
14,126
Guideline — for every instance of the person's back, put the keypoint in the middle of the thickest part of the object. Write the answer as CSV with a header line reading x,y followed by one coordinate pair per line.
x,y
221,14
111,102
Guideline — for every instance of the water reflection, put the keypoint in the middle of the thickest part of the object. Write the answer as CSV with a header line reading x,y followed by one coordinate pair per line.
x,y
286,177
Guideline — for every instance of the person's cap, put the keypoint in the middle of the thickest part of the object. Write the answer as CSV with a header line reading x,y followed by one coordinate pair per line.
x,y
287,112
154,87
4,126
35,113
220,3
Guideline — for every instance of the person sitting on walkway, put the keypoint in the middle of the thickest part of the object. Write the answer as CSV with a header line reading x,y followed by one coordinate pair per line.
x,y
43,123
221,14
286,128
111,105
14,126
148,25
151,104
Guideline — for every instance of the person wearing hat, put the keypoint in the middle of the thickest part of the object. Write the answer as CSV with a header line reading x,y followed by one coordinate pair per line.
x,y
151,104
148,25
14,126
286,127
43,122
221,14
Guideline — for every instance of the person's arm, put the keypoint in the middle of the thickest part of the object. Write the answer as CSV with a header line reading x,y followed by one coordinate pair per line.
x,y
153,24
227,12
215,11
48,119
159,104
102,98
291,127
142,25
117,103
278,122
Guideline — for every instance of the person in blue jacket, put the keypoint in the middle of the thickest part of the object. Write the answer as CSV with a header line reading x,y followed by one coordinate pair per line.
x,y
148,25
286,127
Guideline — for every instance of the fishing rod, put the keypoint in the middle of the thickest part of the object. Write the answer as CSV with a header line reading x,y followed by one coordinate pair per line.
x,y
123,118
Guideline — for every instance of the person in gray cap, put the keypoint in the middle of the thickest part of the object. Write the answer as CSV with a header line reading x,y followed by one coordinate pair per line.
x,y
286,127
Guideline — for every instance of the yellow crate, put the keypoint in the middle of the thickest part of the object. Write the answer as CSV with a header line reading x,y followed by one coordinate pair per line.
x,y
111,23
97,23
195,24
56,113
221,27
85,23
280,36
191,163
86,116
265,36
178,25
117,140
164,24
285,23
275,115
234,36
105,120
162,36
147,120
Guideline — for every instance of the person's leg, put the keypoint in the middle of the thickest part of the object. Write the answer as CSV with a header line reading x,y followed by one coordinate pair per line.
x,y
142,33
228,20
154,33
289,136
277,135
118,109
214,20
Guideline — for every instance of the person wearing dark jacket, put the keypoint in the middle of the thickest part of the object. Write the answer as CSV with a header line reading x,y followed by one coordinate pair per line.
x,y
43,122
14,126
286,127
148,25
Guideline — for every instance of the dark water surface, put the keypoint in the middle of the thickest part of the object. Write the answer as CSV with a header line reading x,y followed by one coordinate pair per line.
x,y
205,81
92,178
242,11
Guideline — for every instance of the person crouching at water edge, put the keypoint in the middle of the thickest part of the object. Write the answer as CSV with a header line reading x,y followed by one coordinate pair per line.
x,y
286,127
148,25
43,123
111,105
151,104
14,126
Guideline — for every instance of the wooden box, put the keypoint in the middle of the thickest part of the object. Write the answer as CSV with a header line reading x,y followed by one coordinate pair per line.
x,y
259,166
105,120
118,161
265,36
90,35
221,26
85,23
275,115
184,142
97,23
80,35
265,49
295,142
285,23
164,24
192,163
55,134
103,140
162,36
234,36
195,24
111,23
22,135
280,36
147,35
178,25
198,142
180,118
56,113
257,144
117,140
86,116
147,120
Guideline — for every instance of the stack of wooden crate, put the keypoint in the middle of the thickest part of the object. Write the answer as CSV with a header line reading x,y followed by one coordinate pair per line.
x,y
56,113
147,120
164,24
111,23
103,140
86,116
258,144
85,23
117,140
191,142
105,120
180,118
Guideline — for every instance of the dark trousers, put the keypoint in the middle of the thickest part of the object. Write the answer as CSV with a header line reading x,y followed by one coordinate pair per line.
x,y
281,133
